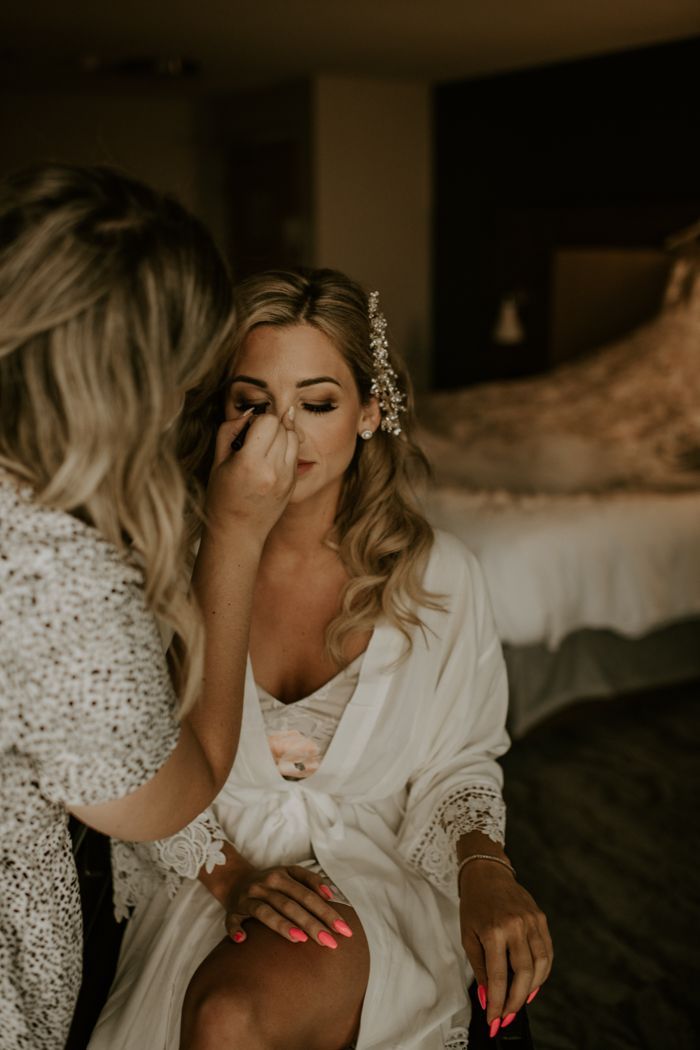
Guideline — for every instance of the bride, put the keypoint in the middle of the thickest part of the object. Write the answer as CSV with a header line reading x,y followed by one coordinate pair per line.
x,y
356,852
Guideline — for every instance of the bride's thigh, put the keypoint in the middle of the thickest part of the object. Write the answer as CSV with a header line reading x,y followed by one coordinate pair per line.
x,y
268,993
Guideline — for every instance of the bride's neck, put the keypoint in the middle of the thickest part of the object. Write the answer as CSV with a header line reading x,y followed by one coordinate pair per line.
x,y
301,532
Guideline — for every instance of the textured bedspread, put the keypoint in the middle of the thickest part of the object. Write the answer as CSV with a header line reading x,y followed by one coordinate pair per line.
x,y
629,562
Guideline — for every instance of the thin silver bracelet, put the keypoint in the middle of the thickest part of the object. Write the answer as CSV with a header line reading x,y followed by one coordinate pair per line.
x,y
484,856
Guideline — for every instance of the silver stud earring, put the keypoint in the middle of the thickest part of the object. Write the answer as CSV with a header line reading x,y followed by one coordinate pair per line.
x,y
367,434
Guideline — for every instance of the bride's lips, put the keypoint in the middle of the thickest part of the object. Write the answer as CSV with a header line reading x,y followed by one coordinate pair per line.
x,y
303,465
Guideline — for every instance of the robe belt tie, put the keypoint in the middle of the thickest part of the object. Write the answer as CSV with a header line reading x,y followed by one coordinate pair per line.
x,y
296,804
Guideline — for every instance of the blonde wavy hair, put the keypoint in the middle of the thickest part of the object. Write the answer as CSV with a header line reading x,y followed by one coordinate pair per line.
x,y
380,535
114,302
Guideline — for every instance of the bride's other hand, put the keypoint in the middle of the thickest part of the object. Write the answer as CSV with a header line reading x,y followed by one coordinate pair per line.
x,y
291,901
501,925
251,486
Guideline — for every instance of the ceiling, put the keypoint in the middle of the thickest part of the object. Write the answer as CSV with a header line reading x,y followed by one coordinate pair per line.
x,y
236,43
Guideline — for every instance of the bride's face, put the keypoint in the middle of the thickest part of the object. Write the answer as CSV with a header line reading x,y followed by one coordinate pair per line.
x,y
299,365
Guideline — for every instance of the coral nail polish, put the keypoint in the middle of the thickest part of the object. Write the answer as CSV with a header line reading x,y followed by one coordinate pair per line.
x,y
494,1026
239,936
326,891
326,940
532,995
481,995
342,927
508,1019
296,934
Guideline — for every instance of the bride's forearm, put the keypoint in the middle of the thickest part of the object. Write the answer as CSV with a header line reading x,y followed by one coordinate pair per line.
x,y
479,847
475,842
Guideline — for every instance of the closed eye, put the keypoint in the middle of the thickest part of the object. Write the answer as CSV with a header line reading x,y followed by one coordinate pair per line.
x,y
259,407
319,406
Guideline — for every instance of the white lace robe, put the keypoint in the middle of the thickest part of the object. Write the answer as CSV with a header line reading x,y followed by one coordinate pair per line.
x,y
411,768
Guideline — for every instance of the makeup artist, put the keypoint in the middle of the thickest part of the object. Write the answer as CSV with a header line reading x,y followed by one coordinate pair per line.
x,y
114,303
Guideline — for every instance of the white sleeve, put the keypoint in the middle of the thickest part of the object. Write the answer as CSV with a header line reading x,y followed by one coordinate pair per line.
x,y
457,787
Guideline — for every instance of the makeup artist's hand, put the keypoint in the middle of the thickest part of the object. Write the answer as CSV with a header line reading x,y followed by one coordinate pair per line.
x,y
251,486
502,926
290,900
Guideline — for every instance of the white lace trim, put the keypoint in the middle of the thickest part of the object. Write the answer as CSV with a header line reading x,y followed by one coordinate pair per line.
x,y
473,807
197,846
458,1039
140,869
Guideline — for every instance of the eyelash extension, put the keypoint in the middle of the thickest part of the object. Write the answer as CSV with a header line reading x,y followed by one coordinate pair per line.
x,y
324,406
259,407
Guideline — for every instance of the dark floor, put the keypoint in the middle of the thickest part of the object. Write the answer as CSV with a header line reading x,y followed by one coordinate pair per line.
x,y
603,829
603,803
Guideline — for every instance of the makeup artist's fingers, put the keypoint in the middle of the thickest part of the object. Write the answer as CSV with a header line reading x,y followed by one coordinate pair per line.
x,y
282,452
293,438
290,421
227,433
262,435
289,418
250,487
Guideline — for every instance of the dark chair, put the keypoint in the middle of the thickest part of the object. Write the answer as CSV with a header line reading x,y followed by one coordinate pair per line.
x,y
101,934
102,938
515,1037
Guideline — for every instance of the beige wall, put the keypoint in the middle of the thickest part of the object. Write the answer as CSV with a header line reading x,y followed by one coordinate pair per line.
x,y
372,198
370,144
159,138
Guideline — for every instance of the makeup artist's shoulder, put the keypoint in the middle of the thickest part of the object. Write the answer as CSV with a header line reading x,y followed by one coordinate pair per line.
x,y
41,546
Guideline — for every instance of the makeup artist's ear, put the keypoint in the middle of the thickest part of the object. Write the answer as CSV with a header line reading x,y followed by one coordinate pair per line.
x,y
370,416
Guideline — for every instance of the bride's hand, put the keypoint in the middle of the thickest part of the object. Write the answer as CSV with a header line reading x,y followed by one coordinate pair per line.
x,y
251,486
292,901
502,925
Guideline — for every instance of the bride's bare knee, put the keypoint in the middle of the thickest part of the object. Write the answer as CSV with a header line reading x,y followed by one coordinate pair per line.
x,y
217,1017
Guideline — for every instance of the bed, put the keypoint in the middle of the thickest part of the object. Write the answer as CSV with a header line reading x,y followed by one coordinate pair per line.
x,y
580,493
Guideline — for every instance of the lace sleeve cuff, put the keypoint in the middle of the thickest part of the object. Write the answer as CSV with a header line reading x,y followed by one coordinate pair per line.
x,y
140,869
471,807
195,847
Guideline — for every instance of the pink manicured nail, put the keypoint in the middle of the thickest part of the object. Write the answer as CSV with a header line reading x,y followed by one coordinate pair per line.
x,y
481,995
532,995
326,940
297,935
239,936
326,891
508,1019
495,1025
342,927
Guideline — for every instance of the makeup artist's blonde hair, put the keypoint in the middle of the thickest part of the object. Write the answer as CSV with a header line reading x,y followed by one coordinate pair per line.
x,y
380,534
113,303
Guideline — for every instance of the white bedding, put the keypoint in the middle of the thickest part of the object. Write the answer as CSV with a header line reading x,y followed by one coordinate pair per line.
x,y
629,562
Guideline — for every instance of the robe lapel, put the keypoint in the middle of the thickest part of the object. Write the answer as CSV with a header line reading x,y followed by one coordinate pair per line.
x,y
254,760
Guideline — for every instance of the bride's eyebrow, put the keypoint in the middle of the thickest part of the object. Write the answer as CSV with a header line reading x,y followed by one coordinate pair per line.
x,y
302,382
317,379
249,379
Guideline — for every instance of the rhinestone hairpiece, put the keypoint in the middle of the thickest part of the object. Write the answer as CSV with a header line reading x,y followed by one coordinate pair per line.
x,y
385,381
